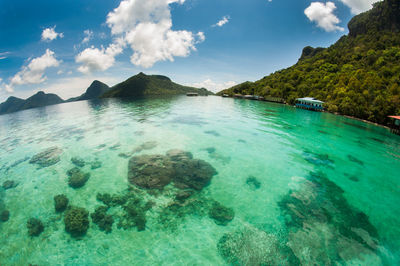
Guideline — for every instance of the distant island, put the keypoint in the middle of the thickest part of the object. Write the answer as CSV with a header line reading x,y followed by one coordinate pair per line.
x,y
358,76
137,86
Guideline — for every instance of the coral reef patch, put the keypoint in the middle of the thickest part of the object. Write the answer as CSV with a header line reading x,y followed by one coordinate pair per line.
x,y
77,178
60,202
8,184
220,214
4,215
47,157
103,220
35,227
253,182
76,221
179,167
78,161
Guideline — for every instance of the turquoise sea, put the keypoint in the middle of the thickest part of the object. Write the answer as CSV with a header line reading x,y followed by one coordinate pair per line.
x,y
274,185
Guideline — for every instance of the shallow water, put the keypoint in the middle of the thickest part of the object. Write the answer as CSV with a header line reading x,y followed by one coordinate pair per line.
x,y
305,187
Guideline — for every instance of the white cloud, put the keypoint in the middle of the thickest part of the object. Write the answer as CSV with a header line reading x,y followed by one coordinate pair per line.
x,y
49,34
222,22
358,6
201,37
93,59
323,15
146,26
34,72
88,36
212,85
4,55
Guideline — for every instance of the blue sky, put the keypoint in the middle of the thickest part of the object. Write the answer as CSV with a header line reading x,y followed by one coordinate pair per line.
x,y
62,46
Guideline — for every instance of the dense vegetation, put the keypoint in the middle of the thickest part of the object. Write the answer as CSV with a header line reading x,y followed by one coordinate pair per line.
x,y
359,75
95,90
40,99
148,85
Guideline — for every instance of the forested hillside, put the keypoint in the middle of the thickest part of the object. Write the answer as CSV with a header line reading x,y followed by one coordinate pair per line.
x,y
359,75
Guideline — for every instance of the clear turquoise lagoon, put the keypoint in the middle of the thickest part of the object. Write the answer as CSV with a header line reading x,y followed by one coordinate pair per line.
x,y
294,187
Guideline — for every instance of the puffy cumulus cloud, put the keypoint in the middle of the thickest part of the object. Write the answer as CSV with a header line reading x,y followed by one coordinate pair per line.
x,y
358,6
34,72
213,86
323,15
146,26
88,36
50,34
93,59
222,22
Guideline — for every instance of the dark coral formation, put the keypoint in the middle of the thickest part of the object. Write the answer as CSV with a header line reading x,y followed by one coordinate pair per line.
x,y
321,221
253,182
76,221
60,202
220,214
35,227
318,159
78,161
47,158
8,184
179,167
77,178
4,215
355,160
103,220
135,214
212,132
112,200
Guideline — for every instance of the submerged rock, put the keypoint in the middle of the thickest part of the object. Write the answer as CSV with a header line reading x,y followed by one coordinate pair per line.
x,y
4,215
35,227
323,226
157,171
77,178
253,182
150,171
47,158
251,246
78,161
8,184
134,216
76,221
102,219
60,202
95,164
220,214
145,146
355,160
318,159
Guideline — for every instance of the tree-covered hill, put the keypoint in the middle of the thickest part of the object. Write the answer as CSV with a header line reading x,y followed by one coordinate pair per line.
x,y
359,75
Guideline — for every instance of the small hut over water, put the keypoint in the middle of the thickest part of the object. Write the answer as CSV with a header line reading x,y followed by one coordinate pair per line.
x,y
395,126
310,104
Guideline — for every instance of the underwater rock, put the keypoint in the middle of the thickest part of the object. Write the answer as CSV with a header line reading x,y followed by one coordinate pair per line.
x,y
115,146
320,219
102,219
355,160
251,246
35,227
145,146
253,182
318,159
212,132
183,195
124,155
60,202
8,184
76,221
4,215
242,141
150,171
77,178
157,171
194,174
78,161
95,164
135,215
220,214
47,158
112,200
210,150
